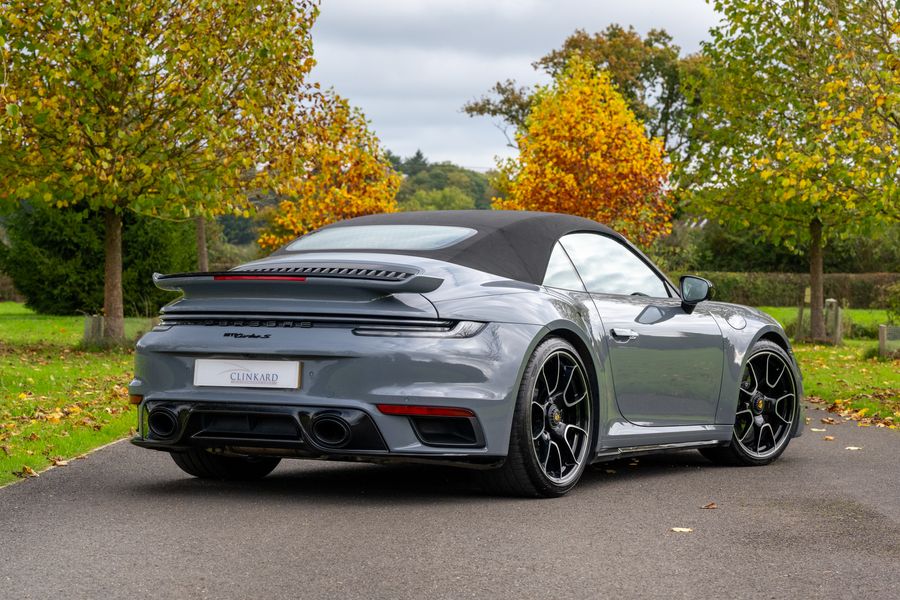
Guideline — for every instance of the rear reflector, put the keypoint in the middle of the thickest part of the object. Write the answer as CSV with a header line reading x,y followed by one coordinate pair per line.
x,y
135,399
405,410
258,278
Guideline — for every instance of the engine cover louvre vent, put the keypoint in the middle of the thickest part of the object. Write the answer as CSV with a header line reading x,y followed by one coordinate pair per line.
x,y
344,271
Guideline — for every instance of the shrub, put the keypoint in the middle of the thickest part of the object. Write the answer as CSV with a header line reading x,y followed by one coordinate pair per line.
x,y
55,259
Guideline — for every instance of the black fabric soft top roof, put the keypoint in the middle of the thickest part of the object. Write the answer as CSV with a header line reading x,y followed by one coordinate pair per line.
x,y
512,244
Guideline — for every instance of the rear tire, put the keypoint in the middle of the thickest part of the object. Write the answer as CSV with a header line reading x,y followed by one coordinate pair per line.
x,y
552,429
205,465
768,413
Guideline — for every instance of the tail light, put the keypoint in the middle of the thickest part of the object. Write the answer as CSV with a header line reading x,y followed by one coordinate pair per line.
x,y
405,410
461,329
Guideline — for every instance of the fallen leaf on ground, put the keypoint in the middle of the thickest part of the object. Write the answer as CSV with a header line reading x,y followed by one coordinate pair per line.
x,y
710,506
828,438
817,430
25,472
682,530
59,462
853,448
829,421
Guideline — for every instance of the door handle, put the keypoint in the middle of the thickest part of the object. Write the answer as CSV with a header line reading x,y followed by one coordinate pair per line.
x,y
623,335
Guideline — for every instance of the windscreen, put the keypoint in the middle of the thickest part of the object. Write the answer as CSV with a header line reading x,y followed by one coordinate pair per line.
x,y
382,237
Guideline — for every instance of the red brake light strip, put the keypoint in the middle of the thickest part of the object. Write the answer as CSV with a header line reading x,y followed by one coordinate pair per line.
x,y
258,278
404,410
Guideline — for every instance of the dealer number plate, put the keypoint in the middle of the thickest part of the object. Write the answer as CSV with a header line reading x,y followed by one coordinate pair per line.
x,y
247,373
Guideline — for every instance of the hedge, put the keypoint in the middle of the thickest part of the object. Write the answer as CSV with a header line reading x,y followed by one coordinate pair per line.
x,y
853,290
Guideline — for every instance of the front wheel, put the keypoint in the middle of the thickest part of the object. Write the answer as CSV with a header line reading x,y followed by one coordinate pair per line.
x,y
552,426
203,464
768,410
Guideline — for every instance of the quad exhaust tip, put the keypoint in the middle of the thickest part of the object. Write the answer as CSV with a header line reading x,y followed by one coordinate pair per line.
x,y
162,423
331,431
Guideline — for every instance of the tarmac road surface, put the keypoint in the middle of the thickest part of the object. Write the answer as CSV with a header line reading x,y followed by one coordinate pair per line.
x,y
822,522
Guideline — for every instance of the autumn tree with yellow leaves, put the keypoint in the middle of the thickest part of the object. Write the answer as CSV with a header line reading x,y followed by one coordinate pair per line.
x,y
583,152
796,124
164,108
332,168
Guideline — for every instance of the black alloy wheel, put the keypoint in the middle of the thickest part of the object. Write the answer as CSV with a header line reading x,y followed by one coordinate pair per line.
x,y
768,409
552,427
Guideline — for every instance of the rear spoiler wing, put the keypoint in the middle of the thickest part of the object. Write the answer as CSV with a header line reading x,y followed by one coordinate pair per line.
x,y
369,278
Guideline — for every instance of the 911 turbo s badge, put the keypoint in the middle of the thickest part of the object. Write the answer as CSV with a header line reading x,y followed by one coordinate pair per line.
x,y
242,336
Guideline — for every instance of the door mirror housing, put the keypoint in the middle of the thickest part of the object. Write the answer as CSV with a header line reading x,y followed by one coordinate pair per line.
x,y
693,291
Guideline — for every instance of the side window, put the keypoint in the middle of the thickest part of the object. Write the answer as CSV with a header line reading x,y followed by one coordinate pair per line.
x,y
561,273
608,267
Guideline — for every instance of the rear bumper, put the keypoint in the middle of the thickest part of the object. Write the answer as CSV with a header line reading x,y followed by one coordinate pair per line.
x,y
293,432
342,374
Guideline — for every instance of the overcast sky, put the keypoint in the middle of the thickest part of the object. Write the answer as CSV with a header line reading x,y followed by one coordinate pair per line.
x,y
410,65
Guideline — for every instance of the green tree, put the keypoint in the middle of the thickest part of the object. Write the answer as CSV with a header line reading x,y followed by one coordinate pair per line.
x,y
55,258
438,176
795,134
414,164
153,107
448,198
647,71
395,159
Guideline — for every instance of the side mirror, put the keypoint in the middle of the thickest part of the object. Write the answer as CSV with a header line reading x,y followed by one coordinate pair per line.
x,y
693,291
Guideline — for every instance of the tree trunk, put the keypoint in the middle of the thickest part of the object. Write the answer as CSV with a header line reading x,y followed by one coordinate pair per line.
x,y
202,254
816,282
113,308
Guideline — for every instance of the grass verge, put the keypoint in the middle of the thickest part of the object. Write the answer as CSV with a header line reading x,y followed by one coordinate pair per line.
x,y
22,326
57,401
866,390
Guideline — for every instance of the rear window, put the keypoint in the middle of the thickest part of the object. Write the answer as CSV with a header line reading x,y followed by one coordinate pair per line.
x,y
382,237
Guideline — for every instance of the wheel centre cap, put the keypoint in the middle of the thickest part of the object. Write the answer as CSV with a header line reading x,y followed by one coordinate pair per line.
x,y
554,416
758,403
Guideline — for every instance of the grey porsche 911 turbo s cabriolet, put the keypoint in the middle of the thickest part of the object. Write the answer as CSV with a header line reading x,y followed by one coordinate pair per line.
x,y
523,345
